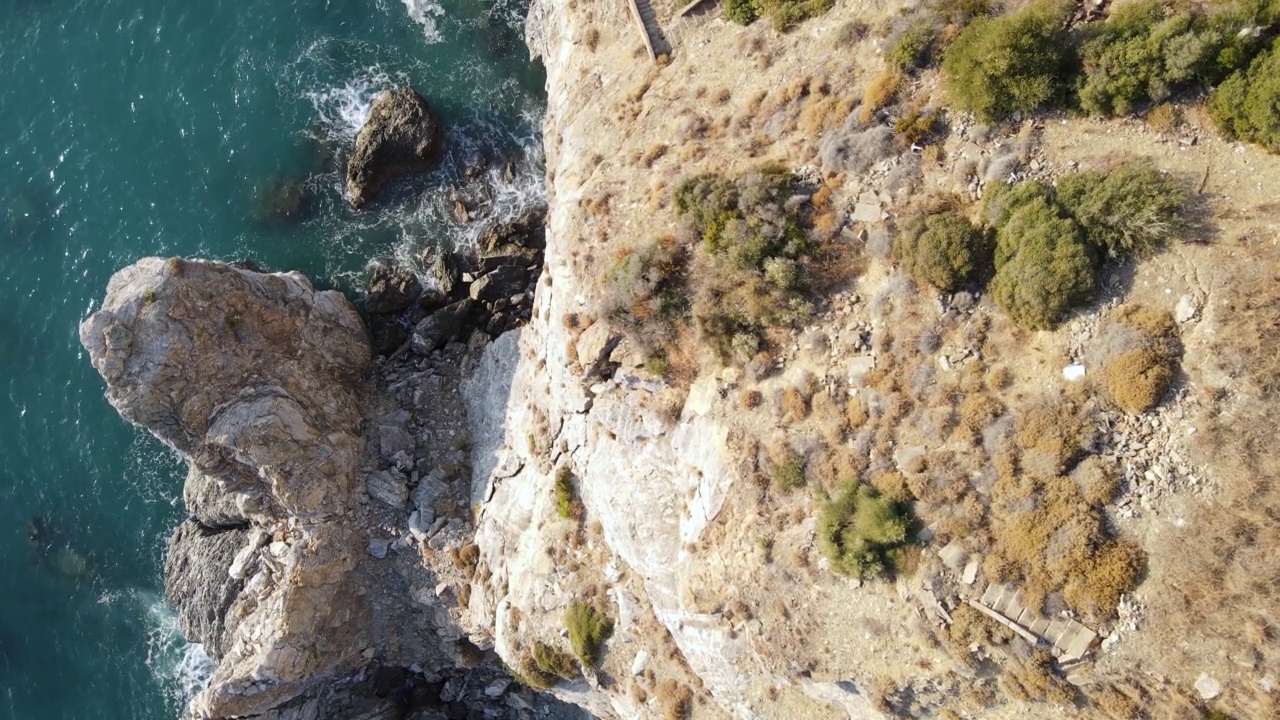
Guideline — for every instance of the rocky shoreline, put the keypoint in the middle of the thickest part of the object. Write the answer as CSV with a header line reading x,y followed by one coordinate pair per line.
x,y
323,564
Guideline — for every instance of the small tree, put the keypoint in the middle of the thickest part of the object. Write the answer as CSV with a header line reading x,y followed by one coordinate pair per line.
x,y
1133,209
859,530
1012,63
1247,104
1043,266
943,250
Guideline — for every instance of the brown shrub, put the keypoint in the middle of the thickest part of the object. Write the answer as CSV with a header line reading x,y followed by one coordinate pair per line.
x,y
794,404
855,412
674,699
750,399
879,93
1163,117
653,154
970,626
1034,680
977,411
1141,351
591,38
820,114
1115,703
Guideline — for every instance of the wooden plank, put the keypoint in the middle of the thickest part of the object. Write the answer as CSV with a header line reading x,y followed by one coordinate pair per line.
x,y
689,8
644,31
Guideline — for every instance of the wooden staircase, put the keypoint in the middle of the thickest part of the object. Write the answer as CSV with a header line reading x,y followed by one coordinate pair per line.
x,y
647,20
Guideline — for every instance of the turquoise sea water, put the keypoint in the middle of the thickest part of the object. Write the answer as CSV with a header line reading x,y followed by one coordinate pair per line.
x,y
154,127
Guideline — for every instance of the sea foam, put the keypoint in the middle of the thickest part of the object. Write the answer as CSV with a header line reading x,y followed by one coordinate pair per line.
x,y
425,13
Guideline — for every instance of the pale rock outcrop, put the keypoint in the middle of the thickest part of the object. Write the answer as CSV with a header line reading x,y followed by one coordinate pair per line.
x,y
252,377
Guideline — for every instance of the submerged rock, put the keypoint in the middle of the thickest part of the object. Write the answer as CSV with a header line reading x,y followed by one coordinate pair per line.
x,y
400,137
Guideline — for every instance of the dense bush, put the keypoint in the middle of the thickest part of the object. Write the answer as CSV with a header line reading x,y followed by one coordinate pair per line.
x,y
912,48
785,14
1247,104
943,250
861,532
1140,55
1043,265
1133,209
1017,62
749,273
588,628
543,665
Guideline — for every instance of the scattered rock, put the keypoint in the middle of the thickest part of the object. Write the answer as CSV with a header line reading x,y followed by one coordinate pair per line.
x,y
502,283
441,327
388,488
378,547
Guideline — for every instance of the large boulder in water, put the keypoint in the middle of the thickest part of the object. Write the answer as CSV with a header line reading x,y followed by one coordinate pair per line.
x,y
400,137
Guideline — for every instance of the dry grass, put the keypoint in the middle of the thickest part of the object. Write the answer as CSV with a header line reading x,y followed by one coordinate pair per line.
x,y
674,699
1164,117
882,90
1141,351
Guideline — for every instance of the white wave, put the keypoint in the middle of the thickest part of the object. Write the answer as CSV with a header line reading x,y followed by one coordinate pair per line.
x,y
425,13
183,669
342,111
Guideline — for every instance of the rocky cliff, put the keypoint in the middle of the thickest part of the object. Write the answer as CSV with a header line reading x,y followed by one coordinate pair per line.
x,y
298,568
364,537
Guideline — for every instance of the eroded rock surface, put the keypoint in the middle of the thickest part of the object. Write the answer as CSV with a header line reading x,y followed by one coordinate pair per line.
x,y
400,137
318,564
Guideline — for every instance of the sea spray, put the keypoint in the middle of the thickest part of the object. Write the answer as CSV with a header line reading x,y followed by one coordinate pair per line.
x,y
183,669
425,13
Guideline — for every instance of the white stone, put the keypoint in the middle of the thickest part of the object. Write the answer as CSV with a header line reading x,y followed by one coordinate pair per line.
x,y
1072,373
970,572
1208,687
640,662
1186,309
702,395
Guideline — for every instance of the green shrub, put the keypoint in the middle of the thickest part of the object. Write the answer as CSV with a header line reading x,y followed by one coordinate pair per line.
x,y
785,14
1133,209
943,250
912,48
1247,104
543,666
588,629
568,505
743,12
960,12
1043,265
1139,55
788,475
1013,63
859,531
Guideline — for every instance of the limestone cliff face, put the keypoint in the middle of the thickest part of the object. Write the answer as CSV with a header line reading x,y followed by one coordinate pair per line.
x,y
652,476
